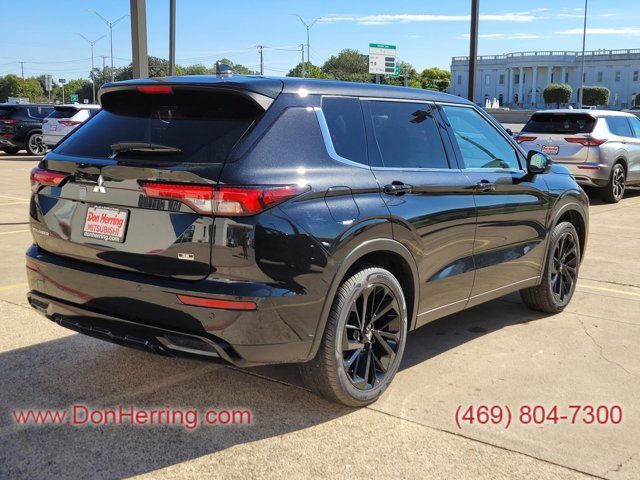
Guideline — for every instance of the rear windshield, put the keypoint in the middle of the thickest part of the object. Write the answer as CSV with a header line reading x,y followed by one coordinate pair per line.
x,y
196,126
62,112
560,123
6,112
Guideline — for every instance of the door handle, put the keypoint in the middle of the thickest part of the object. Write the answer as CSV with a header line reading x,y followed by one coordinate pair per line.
x,y
484,186
397,188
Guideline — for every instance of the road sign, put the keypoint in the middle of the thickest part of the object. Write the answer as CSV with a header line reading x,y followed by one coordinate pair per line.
x,y
398,72
73,97
382,58
48,83
62,80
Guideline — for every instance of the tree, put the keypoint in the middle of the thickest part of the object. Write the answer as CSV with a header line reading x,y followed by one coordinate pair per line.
x,y
638,100
349,65
557,93
595,96
13,86
311,71
194,70
435,79
406,70
237,68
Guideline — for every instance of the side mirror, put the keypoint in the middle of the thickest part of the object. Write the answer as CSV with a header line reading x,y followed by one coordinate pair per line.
x,y
510,132
538,163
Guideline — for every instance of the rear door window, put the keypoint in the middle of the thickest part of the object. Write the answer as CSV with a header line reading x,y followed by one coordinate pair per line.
x,y
619,126
192,126
407,135
39,112
560,123
344,119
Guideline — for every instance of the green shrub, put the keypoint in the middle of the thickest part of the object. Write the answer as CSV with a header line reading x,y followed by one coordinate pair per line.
x,y
557,93
595,96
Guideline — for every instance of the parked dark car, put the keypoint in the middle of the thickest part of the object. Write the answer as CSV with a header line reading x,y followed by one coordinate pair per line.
x,y
256,220
21,127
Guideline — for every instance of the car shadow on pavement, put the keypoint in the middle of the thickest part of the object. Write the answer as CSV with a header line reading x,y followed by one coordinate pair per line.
x,y
594,195
80,370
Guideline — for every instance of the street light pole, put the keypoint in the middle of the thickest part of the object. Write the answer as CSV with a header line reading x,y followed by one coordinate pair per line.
x,y
584,42
308,27
111,25
172,37
473,49
93,77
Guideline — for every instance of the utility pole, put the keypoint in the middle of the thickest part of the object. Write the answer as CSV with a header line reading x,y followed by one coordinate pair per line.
x,y
111,25
584,42
93,77
308,27
303,69
260,49
172,37
473,48
140,59
24,87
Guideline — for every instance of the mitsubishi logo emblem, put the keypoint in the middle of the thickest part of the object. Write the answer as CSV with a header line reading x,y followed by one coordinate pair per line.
x,y
100,187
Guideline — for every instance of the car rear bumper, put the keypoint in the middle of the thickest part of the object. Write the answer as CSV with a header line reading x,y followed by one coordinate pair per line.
x,y
592,174
144,312
51,140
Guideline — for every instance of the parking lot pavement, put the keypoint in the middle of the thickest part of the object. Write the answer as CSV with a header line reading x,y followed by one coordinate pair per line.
x,y
497,353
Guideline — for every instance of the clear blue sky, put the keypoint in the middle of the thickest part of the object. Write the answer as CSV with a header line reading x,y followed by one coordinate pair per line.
x,y
427,33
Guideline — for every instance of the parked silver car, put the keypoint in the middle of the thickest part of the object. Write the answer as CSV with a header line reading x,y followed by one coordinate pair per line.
x,y
601,148
64,119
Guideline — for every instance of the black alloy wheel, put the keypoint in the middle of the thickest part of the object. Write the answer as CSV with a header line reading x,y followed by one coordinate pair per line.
x,y
564,267
363,341
371,335
558,282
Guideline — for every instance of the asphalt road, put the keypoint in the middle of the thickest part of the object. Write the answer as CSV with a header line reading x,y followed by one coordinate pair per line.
x,y
499,353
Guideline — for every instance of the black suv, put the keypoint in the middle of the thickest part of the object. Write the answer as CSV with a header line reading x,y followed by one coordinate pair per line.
x,y
256,220
21,127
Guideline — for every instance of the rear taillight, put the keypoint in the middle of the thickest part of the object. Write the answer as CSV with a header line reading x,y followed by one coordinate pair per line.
x,y
586,141
7,121
46,178
224,201
68,123
524,138
155,89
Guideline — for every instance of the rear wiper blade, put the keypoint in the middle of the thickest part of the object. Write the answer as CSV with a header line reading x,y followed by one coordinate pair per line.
x,y
142,147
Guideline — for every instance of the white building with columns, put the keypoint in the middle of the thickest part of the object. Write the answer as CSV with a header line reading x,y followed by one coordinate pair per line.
x,y
520,78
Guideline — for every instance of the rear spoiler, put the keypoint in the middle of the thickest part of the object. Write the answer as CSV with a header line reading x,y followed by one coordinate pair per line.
x,y
262,101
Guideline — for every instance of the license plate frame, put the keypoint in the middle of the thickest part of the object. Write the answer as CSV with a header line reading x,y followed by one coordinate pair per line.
x,y
550,149
106,223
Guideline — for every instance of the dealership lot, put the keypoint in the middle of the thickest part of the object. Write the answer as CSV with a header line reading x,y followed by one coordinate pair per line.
x,y
499,353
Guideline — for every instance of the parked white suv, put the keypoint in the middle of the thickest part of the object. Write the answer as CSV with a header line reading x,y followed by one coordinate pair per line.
x,y
601,148
63,120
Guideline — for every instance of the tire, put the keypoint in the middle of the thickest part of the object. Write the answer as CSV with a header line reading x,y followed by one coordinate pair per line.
x,y
34,145
339,371
558,284
10,150
614,190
